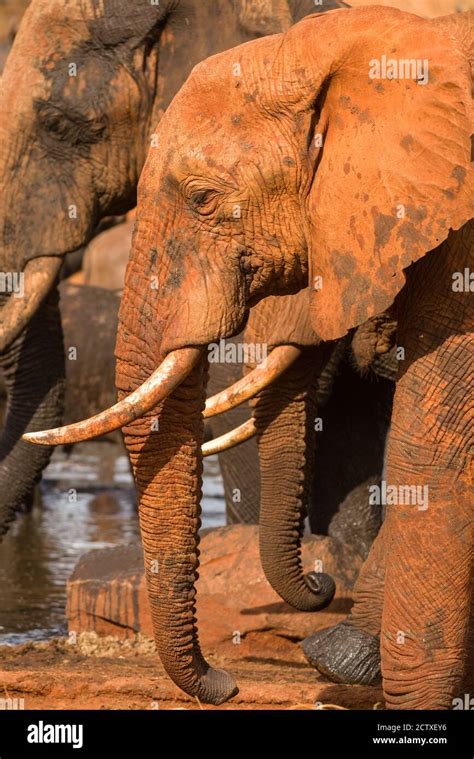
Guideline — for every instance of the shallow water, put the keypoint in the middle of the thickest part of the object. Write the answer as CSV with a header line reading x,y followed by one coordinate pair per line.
x,y
86,501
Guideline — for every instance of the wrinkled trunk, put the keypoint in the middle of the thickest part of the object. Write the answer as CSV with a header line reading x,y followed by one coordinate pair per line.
x,y
164,448
34,372
285,417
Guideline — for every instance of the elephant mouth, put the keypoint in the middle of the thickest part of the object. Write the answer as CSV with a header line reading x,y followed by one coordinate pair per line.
x,y
174,368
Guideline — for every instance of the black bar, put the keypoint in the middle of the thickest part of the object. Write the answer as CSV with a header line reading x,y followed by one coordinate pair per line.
x,y
161,732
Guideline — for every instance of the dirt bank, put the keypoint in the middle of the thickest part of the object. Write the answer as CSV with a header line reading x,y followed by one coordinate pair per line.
x,y
93,673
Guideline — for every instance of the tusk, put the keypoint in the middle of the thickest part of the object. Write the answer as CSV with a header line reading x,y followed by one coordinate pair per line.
x,y
236,436
38,278
171,372
258,379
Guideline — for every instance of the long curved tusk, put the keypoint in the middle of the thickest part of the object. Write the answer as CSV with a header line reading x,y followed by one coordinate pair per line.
x,y
171,372
236,436
39,276
258,379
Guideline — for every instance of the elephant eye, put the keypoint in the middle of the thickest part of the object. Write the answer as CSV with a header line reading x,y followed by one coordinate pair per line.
x,y
204,201
73,127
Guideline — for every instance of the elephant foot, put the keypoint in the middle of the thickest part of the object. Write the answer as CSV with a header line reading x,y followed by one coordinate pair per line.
x,y
323,588
345,654
216,687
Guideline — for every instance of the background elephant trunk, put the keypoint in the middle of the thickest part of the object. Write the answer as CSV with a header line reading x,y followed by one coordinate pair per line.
x,y
164,449
285,415
34,371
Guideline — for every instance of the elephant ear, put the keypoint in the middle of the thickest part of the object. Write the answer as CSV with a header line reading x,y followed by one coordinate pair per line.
x,y
390,157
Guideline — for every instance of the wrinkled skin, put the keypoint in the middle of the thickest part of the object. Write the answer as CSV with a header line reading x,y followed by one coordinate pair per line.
x,y
284,415
352,450
75,145
90,316
246,139
416,539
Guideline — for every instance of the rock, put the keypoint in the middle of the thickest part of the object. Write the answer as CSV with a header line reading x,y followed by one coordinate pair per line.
x,y
239,614
357,521
106,257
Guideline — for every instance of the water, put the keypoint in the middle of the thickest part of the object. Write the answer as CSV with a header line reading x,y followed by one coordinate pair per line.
x,y
86,501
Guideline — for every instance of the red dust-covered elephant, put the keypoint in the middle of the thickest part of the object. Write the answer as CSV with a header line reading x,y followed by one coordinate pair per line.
x,y
294,160
84,85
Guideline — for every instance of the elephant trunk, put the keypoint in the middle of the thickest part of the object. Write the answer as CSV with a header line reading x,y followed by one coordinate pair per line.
x,y
285,416
164,447
34,371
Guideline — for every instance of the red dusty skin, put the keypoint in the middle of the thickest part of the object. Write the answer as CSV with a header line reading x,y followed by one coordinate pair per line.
x,y
212,265
430,557
285,415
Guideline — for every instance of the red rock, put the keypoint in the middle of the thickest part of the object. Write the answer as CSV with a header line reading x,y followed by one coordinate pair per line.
x,y
239,614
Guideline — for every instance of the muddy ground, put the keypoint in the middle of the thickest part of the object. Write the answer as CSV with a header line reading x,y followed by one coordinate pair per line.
x,y
98,673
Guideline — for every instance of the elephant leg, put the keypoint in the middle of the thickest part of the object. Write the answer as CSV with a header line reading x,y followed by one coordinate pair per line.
x,y
285,416
428,587
33,367
349,652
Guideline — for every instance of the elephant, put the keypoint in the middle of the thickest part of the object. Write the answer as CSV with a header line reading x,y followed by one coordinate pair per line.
x,y
84,86
89,317
268,179
333,489
353,401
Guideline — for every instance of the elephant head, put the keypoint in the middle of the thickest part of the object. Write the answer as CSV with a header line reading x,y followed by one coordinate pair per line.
x,y
268,175
83,88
